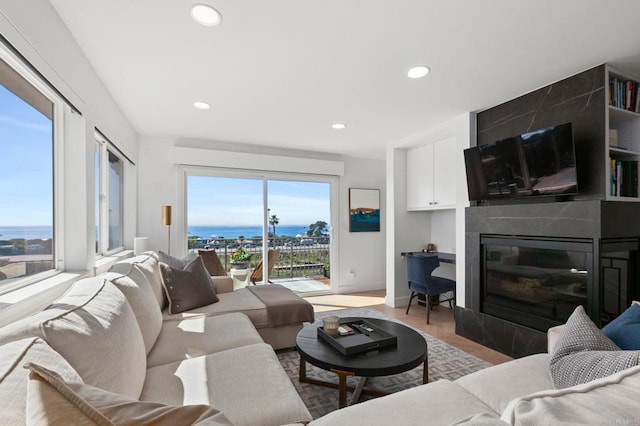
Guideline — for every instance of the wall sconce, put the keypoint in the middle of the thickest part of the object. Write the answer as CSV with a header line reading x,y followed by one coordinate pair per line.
x,y
166,220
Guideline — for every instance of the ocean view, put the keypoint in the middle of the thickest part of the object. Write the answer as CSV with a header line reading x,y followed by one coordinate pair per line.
x,y
233,232
26,232
229,232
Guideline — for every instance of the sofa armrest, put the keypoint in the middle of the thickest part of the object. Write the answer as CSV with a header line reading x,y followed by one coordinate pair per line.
x,y
222,284
552,336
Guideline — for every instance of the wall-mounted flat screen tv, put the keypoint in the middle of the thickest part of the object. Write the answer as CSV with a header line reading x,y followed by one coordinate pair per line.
x,y
537,163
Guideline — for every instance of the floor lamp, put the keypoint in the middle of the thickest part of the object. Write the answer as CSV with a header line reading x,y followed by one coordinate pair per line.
x,y
166,220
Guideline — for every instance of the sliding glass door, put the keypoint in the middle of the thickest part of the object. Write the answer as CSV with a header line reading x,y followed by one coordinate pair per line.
x,y
286,221
299,215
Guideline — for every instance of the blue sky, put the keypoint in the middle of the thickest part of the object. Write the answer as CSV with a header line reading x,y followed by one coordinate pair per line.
x,y
26,164
219,201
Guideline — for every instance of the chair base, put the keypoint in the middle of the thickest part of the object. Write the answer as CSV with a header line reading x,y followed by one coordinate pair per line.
x,y
429,302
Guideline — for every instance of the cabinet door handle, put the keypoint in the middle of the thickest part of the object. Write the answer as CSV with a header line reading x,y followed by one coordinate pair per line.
x,y
435,202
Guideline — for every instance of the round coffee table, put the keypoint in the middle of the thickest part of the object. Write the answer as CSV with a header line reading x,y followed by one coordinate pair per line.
x,y
410,352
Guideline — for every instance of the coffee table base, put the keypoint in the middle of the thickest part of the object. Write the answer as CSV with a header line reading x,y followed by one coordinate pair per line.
x,y
342,383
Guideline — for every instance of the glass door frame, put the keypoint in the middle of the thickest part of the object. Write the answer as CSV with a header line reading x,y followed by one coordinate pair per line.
x,y
333,181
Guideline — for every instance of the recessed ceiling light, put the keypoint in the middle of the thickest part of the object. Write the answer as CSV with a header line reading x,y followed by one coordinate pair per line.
x,y
418,72
205,15
201,105
338,126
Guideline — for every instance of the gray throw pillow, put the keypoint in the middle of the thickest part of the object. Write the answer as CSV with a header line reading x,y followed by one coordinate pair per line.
x,y
188,288
583,353
174,262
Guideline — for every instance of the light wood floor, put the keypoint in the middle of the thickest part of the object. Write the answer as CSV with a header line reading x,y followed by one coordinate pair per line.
x,y
441,324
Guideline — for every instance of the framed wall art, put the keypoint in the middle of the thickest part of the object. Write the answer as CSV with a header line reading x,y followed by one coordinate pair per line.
x,y
364,210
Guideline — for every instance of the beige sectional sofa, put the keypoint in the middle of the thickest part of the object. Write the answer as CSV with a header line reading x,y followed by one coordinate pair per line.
x,y
106,353
279,336
109,332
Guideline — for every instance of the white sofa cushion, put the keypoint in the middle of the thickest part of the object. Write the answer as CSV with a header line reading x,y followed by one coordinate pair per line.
x,y
247,384
499,384
482,419
552,337
609,400
135,286
198,336
236,301
14,378
439,403
51,400
93,327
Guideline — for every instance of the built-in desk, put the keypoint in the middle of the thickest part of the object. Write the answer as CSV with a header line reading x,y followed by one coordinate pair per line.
x,y
443,257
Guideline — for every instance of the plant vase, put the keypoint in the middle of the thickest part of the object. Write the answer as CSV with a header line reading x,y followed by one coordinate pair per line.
x,y
240,264
326,271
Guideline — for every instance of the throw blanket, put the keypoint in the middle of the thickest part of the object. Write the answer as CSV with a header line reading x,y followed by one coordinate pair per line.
x,y
283,305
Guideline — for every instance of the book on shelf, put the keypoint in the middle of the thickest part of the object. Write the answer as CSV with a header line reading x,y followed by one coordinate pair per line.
x,y
613,137
612,177
624,178
624,94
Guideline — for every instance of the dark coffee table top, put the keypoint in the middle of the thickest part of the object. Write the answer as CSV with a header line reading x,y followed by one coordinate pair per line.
x,y
410,351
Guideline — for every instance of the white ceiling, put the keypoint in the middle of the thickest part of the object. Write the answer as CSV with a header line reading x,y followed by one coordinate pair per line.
x,y
279,73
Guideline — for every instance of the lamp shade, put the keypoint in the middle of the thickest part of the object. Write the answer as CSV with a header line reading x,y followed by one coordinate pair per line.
x,y
140,245
166,215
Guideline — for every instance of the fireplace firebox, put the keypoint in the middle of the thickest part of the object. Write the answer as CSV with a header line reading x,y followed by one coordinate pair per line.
x,y
527,266
536,282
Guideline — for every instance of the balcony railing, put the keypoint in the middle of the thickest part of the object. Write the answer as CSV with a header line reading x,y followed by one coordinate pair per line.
x,y
299,257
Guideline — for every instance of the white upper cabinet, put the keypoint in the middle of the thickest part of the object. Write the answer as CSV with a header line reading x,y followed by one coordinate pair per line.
x,y
431,171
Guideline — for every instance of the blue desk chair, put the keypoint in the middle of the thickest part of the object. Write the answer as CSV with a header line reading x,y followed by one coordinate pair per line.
x,y
419,269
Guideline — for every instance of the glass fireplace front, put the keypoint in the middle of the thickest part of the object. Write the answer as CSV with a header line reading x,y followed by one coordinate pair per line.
x,y
535,282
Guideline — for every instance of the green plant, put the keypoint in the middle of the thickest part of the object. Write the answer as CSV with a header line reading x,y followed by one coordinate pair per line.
x,y
240,255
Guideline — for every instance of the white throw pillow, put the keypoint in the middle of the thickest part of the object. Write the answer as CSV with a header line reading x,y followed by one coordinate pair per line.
x,y
53,401
14,378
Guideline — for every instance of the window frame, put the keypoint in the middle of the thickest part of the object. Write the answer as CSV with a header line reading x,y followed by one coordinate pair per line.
x,y
57,181
105,147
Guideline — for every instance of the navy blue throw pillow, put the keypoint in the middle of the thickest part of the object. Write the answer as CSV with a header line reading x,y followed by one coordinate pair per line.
x,y
624,331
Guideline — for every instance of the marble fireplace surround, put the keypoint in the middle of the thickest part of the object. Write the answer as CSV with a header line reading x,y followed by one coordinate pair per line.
x,y
593,219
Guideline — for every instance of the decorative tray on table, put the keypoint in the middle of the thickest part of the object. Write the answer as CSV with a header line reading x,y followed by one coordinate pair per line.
x,y
361,336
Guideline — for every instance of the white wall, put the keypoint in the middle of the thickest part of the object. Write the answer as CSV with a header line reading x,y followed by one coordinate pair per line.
x,y
160,183
362,253
406,231
411,231
443,230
